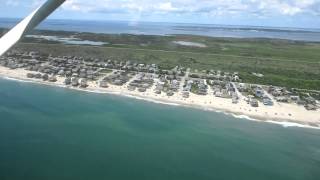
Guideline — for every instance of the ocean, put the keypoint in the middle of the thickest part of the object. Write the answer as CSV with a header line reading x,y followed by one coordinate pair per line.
x,y
55,133
152,28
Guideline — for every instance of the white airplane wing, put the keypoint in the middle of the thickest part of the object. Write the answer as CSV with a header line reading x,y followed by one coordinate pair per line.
x,y
27,24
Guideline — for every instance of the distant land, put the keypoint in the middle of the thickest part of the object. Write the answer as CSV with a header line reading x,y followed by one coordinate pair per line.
x,y
156,28
286,63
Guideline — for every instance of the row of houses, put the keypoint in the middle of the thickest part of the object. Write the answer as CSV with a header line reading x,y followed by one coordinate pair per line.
x,y
47,67
142,82
119,78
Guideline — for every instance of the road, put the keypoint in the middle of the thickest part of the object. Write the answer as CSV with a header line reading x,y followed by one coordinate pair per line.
x,y
184,78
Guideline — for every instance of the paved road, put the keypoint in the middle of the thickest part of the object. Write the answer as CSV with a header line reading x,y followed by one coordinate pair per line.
x,y
184,78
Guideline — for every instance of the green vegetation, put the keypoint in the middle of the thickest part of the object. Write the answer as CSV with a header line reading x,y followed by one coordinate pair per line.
x,y
106,71
194,88
286,63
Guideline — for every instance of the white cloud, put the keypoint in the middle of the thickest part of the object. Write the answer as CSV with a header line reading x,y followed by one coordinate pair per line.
x,y
75,5
167,6
289,10
12,3
283,7
263,8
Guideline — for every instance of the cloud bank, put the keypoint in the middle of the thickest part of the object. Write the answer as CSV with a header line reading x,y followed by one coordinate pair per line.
x,y
209,7
252,12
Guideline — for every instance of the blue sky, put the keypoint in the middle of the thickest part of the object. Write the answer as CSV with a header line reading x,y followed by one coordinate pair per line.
x,y
283,13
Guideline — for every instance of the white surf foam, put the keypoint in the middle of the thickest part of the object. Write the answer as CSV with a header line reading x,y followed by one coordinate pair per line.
x,y
244,117
14,79
151,100
292,124
283,124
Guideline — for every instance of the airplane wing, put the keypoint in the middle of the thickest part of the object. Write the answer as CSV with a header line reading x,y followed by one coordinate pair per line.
x,y
27,24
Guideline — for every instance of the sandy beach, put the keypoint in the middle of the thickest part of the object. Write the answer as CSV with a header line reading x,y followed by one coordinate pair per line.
x,y
279,112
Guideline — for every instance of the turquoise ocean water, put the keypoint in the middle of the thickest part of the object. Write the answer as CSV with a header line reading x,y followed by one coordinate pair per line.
x,y
55,133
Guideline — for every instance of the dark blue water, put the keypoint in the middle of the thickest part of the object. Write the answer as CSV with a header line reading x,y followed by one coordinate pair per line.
x,y
59,134
149,28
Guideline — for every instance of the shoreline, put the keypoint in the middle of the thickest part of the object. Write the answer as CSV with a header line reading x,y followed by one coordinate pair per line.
x,y
220,105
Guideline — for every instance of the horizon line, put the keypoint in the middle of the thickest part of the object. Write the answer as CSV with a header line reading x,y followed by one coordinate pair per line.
x,y
190,23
